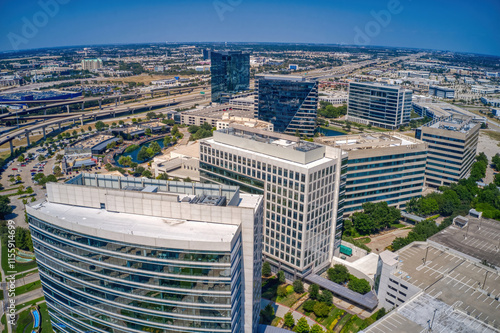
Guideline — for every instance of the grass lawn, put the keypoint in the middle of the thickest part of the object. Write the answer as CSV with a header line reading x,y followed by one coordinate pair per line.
x,y
345,318
398,225
364,240
46,325
24,319
289,300
4,323
28,287
333,316
335,128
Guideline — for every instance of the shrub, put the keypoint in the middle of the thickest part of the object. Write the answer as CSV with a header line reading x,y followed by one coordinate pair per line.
x,y
321,309
282,291
309,305
289,321
281,277
326,297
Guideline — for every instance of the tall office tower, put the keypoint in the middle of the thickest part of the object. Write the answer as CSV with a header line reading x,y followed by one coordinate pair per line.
x,y
386,167
290,103
206,54
230,73
381,105
452,148
91,64
300,182
118,254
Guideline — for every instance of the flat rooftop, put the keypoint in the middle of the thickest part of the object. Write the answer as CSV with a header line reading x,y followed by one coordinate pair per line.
x,y
141,225
462,292
462,124
220,110
283,141
92,141
442,109
369,141
480,239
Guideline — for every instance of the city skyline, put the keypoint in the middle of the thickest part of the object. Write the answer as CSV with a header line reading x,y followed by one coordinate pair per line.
x,y
467,27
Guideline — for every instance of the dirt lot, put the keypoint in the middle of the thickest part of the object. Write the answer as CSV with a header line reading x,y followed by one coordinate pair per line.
x,y
144,78
380,242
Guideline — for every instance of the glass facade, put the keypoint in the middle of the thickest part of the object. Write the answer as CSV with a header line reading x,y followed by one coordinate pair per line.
x,y
289,104
380,105
94,284
230,72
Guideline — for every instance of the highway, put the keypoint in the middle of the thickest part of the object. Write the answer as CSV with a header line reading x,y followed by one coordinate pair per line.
x,y
108,111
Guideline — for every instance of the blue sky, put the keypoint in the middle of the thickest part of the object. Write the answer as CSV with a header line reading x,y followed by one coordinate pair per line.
x,y
466,26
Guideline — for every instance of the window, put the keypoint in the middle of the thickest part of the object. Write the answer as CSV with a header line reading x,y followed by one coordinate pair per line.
x,y
103,205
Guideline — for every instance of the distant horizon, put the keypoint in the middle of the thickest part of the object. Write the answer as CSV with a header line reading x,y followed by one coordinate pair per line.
x,y
462,27
241,42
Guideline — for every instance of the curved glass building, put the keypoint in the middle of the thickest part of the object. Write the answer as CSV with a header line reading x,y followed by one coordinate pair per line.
x,y
133,255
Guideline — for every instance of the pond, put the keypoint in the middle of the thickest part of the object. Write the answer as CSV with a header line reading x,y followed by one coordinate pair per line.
x,y
329,132
134,153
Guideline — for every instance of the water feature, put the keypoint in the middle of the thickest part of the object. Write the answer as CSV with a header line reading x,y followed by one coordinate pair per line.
x,y
329,132
134,153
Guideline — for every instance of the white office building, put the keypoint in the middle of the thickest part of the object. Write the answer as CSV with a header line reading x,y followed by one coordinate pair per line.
x,y
300,182
91,64
124,254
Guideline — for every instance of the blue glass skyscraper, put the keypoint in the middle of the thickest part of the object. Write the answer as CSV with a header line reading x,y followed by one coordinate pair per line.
x,y
230,72
290,103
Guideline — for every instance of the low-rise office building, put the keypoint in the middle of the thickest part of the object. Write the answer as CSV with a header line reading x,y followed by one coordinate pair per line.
x,y
134,255
386,167
452,148
441,92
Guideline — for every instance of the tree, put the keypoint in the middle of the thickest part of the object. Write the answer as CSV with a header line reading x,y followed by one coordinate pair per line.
x,y
5,208
57,171
41,158
381,313
313,291
167,140
74,133
309,305
147,131
151,115
298,286
99,125
21,158
326,297
155,147
288,320
282,291
89,128
359,285
363,223
497,179
321,309
29,190
302,326
266,269
59,157
125,160
316,329
121,122
82,130
147,173
187,180
338,274
175,130
267,313
281,277
143,154
162,176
